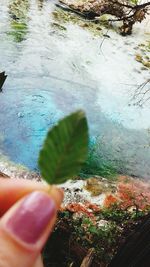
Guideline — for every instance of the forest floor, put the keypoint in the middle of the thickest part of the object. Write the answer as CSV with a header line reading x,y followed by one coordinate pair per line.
x,y
95,219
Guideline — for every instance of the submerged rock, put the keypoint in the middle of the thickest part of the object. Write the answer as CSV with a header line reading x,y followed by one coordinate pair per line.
x,y
3,77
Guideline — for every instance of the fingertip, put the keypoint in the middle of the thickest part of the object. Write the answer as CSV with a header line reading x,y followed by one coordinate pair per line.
x,y
29,222
25,228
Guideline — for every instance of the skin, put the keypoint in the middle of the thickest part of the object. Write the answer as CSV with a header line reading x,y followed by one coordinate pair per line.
x,y
12,193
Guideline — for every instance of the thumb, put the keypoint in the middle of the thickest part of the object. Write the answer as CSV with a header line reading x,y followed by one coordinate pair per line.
x,y
25,228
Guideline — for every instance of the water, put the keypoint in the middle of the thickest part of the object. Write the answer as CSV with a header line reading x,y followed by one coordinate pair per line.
x,y
54,69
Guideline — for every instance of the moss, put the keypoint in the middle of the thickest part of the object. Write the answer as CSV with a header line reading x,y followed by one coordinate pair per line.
x,y
143,56
138,58
144,46
18,10
146,63
99,185
18,26
95,165
102,238
59,26
106,237
105,233
135,2
64,17
18,31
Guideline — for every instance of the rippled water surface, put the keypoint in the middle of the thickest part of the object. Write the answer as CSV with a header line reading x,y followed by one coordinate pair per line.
x,y
55,68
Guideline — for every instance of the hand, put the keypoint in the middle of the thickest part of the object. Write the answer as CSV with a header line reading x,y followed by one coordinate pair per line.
x,y
28,213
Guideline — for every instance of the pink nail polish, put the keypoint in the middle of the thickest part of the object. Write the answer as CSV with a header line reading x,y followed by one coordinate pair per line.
x,y
31,218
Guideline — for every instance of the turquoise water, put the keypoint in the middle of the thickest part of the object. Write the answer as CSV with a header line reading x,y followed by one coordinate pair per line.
x,y
52,72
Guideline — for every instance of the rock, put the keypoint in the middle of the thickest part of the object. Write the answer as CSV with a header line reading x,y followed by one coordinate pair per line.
x,y
3,77
20,115
94,186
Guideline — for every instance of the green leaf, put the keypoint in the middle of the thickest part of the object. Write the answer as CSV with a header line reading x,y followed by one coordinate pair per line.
x,y
65,149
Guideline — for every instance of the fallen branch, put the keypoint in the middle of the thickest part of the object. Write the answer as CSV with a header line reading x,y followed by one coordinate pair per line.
x,y
123,11
87,261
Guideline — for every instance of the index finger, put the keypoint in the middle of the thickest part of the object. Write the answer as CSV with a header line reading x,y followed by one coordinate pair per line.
x,y
11,190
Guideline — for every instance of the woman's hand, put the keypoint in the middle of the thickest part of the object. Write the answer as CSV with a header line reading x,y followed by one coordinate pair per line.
x,y
28,213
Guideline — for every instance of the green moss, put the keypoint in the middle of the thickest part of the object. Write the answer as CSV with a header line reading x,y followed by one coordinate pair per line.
x,y
135,2
121,216
102,238
105,238
104,233
18,31
18,26
18,10
95,165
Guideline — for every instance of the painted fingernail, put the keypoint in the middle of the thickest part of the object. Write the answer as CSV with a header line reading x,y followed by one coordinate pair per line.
x,y
32,217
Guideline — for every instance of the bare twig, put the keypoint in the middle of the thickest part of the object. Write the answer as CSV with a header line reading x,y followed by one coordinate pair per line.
x,y
141,96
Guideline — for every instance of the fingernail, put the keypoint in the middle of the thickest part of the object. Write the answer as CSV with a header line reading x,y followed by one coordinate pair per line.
x,y
32,217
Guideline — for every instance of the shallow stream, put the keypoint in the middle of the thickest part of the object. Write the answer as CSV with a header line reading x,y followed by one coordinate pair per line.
x,y
54,68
